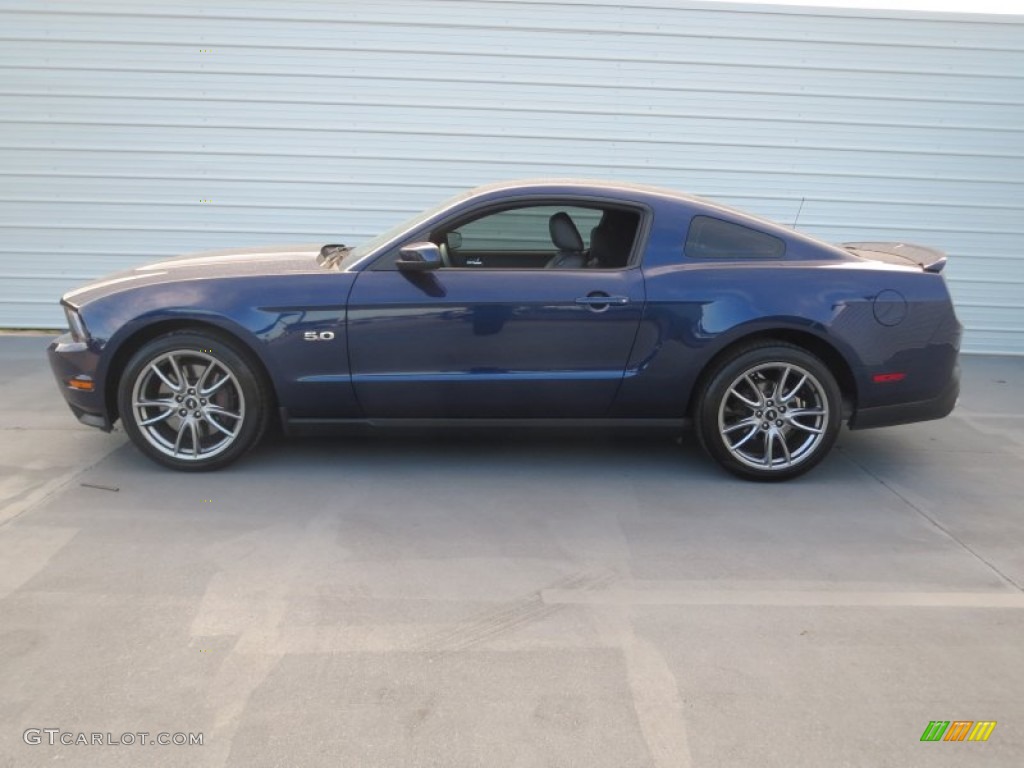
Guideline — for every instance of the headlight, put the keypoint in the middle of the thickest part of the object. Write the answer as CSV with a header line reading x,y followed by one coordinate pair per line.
x,y
75,323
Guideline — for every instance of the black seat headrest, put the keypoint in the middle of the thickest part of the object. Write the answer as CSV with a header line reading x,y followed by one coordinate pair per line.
x,y
602,245
612,240
564,234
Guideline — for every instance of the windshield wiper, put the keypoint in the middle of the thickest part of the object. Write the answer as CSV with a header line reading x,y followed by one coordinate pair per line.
x,y
331,254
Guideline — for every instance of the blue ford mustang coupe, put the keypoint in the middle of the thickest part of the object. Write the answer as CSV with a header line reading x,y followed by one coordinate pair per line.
x,y
539,303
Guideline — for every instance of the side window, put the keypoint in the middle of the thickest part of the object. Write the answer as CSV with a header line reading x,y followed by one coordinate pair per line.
x,y
522,229
709,237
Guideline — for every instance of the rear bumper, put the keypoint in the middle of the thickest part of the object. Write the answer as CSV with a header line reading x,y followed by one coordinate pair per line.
x,y
907,413
70,359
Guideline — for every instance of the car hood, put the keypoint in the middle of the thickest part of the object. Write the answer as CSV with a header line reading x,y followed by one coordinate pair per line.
x,y
231,262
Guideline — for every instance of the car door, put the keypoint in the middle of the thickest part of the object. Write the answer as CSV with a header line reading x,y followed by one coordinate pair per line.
x,y
479,341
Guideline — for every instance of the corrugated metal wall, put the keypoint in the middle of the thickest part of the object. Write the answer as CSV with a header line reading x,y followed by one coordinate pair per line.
x,y
134,130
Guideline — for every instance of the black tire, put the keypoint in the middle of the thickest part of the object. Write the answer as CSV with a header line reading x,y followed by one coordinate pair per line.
x,y
775,438
216,412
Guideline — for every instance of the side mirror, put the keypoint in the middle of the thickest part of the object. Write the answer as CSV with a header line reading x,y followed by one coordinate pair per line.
x,y
419,257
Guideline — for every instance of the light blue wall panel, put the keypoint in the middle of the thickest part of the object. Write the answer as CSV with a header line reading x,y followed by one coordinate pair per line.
x,y
307,121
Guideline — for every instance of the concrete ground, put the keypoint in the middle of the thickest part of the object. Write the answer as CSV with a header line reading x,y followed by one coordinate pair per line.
x,y
511,601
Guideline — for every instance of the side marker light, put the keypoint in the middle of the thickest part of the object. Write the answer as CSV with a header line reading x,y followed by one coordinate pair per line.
x,y
886,378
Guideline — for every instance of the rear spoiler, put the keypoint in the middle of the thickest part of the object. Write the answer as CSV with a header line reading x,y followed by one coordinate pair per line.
x,y
928,259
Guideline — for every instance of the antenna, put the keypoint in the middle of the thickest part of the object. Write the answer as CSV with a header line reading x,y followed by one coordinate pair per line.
x,y
798,210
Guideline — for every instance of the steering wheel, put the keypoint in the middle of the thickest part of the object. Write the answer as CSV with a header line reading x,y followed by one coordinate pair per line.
x,y
445,258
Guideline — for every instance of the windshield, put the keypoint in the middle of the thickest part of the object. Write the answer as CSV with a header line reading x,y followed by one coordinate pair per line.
x,y
356,254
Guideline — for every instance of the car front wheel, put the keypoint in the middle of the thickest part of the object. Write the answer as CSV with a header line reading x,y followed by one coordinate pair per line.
x,y
192,401
769,412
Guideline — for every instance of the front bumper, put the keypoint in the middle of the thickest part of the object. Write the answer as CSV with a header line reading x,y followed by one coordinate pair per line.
x,y
907,413
72,359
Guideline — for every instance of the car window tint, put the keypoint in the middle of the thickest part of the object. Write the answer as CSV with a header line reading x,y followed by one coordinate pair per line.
x,y
714,238
523,229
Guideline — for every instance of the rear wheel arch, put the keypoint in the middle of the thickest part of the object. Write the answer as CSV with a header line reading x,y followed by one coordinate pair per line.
x,y
141,336
769,412
817,346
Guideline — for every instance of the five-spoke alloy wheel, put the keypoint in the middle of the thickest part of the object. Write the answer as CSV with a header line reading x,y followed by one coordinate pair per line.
x,y
769,412
192,401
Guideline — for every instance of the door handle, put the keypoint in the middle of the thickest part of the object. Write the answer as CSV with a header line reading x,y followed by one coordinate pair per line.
x,y
602,300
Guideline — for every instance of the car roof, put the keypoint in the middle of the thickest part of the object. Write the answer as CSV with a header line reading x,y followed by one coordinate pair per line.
x,y
631,192
577,185
649,193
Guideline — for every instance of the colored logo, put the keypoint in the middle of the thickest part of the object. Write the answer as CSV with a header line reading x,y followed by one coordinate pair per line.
x,y
958,730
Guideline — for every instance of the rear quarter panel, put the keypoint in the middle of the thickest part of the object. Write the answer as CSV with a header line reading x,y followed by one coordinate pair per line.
x,y
879,318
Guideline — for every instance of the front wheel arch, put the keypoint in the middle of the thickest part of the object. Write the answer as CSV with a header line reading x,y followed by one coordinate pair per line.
x,y
142,336
192,401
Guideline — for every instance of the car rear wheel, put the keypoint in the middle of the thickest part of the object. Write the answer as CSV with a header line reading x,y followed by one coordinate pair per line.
x,y
769,412
192,401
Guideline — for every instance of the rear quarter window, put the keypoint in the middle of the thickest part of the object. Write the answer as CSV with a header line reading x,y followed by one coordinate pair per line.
x,y
711,238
